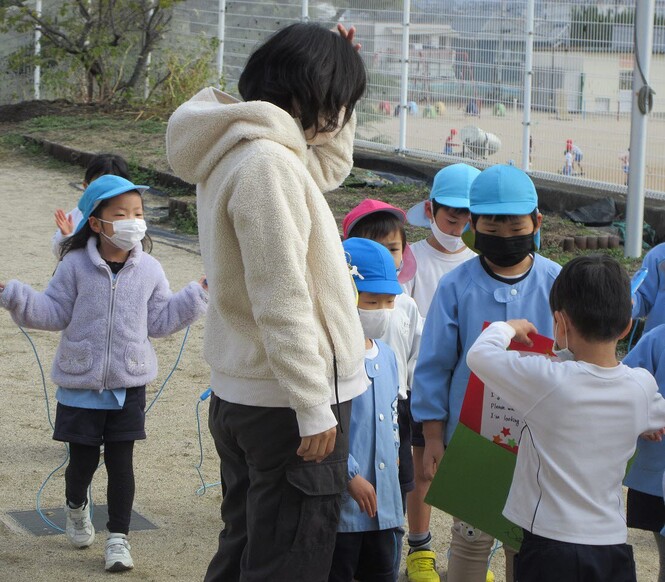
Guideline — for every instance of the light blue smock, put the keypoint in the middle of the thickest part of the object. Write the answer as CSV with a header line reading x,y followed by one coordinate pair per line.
x,y
373,447
646,472
93,399
464,299
649,300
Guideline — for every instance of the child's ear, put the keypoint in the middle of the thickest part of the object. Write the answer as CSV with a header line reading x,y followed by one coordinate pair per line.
x,y
428,210
626,331
558,319
94,224
539,222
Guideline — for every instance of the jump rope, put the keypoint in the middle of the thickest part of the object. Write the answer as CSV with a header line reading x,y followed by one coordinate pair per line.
x,y
202,398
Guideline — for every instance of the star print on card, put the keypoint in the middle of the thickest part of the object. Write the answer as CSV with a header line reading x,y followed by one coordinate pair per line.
x,y
501,439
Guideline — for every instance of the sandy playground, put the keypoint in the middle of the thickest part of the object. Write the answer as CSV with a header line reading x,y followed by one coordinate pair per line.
x,y
602,138
166,481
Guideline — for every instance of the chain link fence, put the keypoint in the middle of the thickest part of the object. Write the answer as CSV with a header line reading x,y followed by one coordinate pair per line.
x,y
457,68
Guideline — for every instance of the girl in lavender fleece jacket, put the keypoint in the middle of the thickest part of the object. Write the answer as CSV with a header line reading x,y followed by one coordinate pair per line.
x,y
108,297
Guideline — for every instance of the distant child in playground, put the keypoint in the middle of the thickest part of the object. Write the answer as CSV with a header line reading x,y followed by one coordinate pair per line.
x,y
577,158
649,300
582,416
446,213
568,160
371,517
108,297
99,165
401,326
646,506
448,149
508,280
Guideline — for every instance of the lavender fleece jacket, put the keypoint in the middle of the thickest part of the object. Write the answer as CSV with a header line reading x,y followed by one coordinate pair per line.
x,y
105,325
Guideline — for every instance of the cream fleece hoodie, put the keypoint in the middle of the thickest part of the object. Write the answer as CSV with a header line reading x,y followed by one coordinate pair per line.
x,y
281,297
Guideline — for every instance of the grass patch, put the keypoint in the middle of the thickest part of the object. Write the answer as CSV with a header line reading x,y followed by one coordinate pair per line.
x,y
557,255
136,139
95,123
186,222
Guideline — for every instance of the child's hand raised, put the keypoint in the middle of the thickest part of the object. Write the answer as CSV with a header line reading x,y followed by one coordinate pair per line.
x,y
364,494
64,222
523,328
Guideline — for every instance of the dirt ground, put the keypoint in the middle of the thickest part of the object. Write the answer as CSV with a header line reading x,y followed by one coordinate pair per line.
x,y
602,139
188,524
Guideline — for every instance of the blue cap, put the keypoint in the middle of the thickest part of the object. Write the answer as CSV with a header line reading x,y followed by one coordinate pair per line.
x,y
372,266
451,187
503,190
104,187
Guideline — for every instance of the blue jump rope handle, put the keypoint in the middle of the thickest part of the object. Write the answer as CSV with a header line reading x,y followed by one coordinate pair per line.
x,y
638,279
206,394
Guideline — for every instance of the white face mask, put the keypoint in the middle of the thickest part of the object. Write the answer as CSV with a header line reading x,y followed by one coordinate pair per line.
x,y
447,241
127,233
564,354
374,321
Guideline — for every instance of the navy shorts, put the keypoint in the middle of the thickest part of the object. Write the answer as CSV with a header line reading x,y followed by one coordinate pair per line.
x,y
93,427
645,511
545,560
406,476
417,437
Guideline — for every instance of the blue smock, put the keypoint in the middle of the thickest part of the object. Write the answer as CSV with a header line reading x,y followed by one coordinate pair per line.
x,y
464,299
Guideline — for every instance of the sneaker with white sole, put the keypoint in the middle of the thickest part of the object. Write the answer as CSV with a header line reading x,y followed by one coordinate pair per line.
x,y
421,566
79,528
118,558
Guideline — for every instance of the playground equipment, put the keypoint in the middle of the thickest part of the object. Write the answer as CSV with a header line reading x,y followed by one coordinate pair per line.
x,y
478,143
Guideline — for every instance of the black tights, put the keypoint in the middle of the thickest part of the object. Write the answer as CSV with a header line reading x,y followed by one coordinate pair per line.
x,y
119,461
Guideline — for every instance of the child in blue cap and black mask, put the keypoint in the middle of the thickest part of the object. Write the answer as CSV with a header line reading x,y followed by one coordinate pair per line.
x,y
508,280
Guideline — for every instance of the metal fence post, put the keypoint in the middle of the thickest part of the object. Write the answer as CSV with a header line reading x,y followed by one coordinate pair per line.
x,y
38,50
221,25
404,85
528,79
644,19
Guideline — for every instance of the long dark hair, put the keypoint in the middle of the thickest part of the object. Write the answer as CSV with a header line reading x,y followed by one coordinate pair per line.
x,y
308,71
79,240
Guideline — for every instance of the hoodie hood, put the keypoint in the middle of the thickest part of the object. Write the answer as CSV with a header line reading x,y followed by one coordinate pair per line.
x,y
205,128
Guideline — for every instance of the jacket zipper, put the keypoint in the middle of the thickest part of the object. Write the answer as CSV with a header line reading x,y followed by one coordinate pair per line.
x,y
109,333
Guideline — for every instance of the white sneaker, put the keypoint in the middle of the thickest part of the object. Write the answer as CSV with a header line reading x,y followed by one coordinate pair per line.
x,y
79,528
118,558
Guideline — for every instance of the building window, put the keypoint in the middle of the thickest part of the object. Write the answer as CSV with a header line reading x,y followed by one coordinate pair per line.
x,y
625,80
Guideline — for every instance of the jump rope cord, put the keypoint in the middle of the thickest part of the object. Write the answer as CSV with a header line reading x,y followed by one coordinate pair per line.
x,y
204,486
497,546
200,491
50,421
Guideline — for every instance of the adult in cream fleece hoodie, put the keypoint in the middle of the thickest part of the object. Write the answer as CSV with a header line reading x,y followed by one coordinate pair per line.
x,y
283,337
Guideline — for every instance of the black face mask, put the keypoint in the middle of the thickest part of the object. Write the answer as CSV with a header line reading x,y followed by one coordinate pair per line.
x,y
504,251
